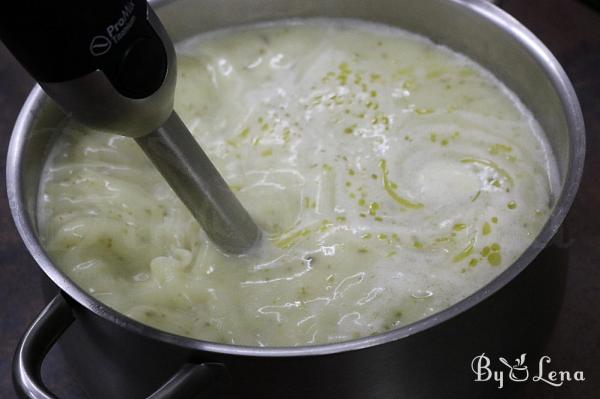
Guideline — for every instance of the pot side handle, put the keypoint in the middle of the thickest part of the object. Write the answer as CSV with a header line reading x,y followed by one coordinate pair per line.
x,y
39,338
47,328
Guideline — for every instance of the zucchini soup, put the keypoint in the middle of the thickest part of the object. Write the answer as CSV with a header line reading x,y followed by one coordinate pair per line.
x,y
392,177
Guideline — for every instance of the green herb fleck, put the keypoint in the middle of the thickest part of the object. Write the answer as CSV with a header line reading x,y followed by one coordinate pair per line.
x,y
487,229
465,252
495,259
389,188
424,111
459,227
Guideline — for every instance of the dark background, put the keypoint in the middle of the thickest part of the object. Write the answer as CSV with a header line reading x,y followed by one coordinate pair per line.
x,y
569,28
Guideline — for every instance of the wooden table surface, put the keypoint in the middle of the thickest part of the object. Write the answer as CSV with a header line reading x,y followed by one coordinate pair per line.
x,y
572,32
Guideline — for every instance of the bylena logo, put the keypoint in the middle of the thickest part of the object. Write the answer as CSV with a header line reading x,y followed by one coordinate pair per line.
x,y
519,371
481,366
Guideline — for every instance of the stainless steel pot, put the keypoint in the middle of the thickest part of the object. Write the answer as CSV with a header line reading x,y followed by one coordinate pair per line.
x,y
116,357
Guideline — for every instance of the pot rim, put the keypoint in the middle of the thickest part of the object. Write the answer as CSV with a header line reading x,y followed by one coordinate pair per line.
x,y
484,10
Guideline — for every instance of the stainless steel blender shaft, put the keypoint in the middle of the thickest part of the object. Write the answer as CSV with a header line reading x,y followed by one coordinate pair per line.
x,y
118,74
196,181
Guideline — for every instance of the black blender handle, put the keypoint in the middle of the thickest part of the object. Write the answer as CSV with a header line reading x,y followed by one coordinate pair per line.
x,y
62,40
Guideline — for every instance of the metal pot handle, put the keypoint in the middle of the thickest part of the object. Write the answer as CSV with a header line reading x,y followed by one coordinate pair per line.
x,y
47,328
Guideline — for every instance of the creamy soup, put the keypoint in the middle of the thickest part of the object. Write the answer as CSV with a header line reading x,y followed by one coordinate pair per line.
x,y
391,176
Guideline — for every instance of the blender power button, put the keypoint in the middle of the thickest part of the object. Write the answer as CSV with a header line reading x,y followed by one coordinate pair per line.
x,y
143,68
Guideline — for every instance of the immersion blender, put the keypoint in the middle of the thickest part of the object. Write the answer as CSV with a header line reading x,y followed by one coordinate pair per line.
x,y
111,65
